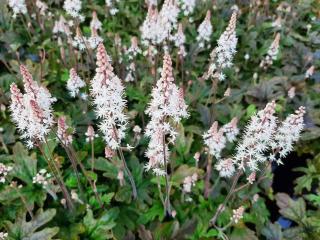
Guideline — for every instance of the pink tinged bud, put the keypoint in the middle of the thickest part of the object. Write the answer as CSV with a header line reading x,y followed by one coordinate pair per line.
x,y
109,153
28,81
237,214
252,177
120,177
197,156
62,131
208,16
90,133
16,95
227,93
292,92
36,111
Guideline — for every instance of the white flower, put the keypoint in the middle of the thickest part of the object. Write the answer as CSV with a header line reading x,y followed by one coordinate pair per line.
x,y
90,134
288,133
61,26
187,6
158,27
205,30
63,132
107,92
43,7
95,23
73,8
79,41
309,72
257,138
167,103
94,39
152,2
3,235
136,129
222,56
18,6
189,182
225,167
4,170
251,178
272,53
74,83
292,92
179,38
134,49
231,130
42,178
31,112
215,140
237,214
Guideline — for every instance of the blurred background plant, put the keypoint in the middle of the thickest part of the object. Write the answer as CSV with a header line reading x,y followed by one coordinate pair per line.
x,y
51,39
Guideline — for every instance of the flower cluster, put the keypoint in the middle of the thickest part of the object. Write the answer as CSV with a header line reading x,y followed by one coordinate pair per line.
x,y
205,30
237,214
261,135
167,103
79,41
31,112
112,9
179,40
187,6
63,132
257,138
4,170
74,83
216,139
231,130
189,182
107,92
42,178
73,8
131,71
18,6
222,56
90,134
134,49
158,26
225,167
61,26
272,53
3,235
43,7
95,22
287,134
309,72
251,178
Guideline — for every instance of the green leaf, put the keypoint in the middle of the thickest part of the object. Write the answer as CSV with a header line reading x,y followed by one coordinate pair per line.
x,y
99,229
292,209
24,230
26,166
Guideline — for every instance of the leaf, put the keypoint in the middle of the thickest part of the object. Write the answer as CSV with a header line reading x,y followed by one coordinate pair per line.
x,y
155,211
28,230
292,209
99,229
272,231
26,167
243,233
